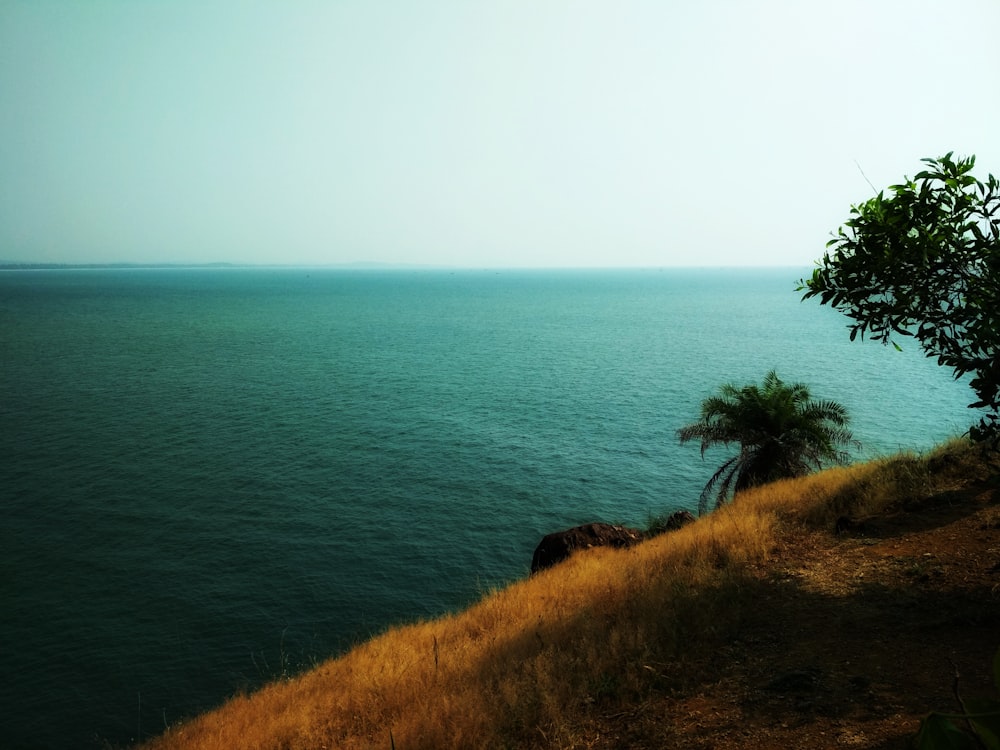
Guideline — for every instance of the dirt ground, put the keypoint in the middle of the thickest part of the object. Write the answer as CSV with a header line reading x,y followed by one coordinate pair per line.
x,y
851,637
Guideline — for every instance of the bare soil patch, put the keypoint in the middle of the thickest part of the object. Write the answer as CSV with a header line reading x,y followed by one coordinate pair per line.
x,y
847,640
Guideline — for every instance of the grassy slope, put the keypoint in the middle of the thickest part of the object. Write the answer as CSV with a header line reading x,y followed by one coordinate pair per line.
x,y
579,655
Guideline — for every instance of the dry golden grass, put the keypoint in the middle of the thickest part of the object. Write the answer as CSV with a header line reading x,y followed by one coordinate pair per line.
x,y
527,665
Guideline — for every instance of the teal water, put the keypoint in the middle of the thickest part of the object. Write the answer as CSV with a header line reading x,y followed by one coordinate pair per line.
x,y
214,477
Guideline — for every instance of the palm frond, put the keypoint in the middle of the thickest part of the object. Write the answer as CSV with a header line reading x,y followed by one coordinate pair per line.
x,y
781,431
723,477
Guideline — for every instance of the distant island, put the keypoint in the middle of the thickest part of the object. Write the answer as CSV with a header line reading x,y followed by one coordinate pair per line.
x,y
9,265
13,266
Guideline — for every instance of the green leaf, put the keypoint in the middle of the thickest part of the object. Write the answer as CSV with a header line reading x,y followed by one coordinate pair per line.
x,y
988,730
984,715
923,254
937,733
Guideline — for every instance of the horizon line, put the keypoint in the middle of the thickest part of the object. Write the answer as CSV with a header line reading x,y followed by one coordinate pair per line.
x,y
9,265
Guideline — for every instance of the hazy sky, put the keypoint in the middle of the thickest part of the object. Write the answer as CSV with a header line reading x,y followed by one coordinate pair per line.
x,y
484,134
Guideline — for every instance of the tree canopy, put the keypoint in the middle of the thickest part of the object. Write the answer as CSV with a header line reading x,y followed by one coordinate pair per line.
x,y
924,261
781,431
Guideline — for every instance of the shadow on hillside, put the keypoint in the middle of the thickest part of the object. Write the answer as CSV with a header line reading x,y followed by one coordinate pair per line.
x,y
779,655
924,513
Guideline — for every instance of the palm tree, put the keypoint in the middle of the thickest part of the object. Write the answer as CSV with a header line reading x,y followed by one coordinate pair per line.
x,y
781,431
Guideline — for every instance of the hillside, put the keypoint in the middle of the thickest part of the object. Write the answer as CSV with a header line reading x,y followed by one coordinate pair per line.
x,y
759,626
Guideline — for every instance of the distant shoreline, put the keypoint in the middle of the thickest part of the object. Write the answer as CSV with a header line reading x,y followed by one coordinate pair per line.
x,y
364,266
9,266
15,266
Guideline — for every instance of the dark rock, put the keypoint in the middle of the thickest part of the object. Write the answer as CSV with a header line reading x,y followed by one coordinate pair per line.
x,y
679,519
556,547
676,520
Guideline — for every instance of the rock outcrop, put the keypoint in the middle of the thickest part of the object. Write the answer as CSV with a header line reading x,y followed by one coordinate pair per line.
x,y
556,547
678,519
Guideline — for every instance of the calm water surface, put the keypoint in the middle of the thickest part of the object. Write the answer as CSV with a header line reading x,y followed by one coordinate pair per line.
x,y
213,477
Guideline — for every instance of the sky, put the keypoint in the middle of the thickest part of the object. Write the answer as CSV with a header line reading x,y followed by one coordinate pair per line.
x,y
507,133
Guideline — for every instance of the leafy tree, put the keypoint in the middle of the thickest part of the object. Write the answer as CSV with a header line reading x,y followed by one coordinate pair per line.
x,y
781,431
924,261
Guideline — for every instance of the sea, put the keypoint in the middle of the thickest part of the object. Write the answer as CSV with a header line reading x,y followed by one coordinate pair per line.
x,y
212,478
